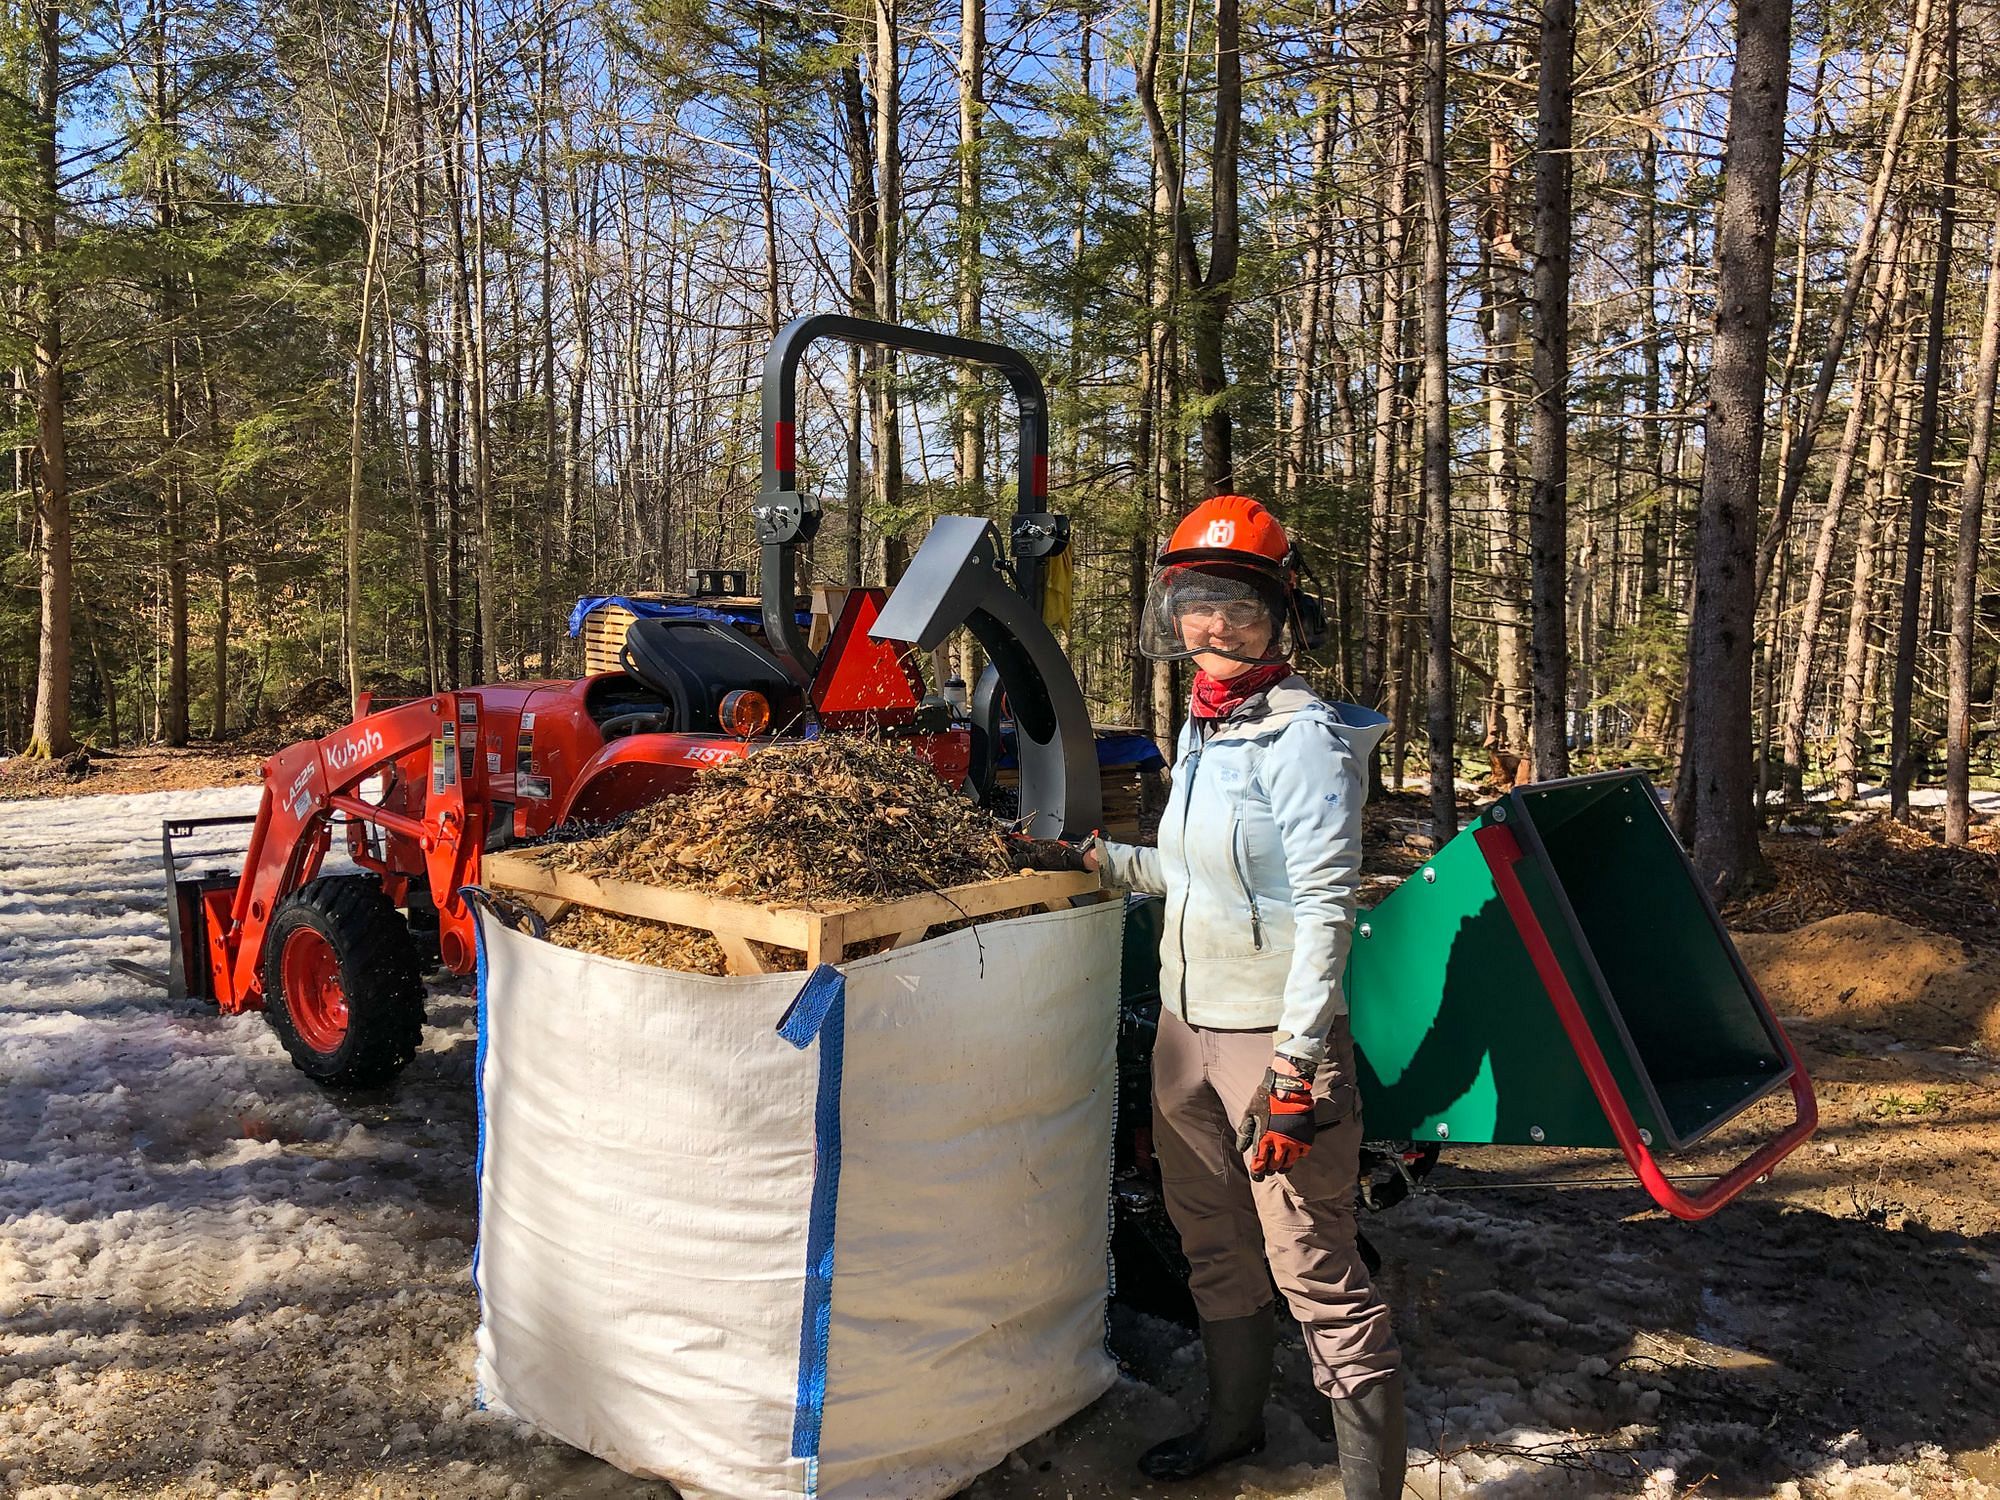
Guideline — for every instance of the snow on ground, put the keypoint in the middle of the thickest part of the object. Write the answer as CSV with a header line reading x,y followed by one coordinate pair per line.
x,y
1870,796
218,1280
214,1276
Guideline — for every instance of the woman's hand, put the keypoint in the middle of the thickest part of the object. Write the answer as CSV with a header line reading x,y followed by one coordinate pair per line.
x,y
1050,854
1277,1129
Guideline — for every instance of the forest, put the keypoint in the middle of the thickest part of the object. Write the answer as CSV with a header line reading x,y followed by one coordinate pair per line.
x,y
1627,370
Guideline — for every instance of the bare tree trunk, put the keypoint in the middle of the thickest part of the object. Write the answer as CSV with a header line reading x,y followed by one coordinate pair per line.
x,y
173,492
107,684
1843,316
483,563
971,446
1653,508
51,734
1965,574
547,510
1375,608
1548,513
885,61
1507,726
1801,266
1902,687
1440,702
1208,293
424,500
1746,235
1877,367
1858,664
860,290
1298,429
767,180
357,447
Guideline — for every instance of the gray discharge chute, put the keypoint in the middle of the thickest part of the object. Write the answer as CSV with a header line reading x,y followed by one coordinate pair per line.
x,y
957,579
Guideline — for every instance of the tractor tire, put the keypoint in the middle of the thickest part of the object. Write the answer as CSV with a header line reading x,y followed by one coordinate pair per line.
x,y
342,982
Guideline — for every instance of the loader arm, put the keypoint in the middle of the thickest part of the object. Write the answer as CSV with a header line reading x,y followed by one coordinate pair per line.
x,y
307,783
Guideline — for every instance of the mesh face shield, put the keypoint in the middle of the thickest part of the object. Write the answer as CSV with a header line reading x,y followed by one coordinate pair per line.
x,y
1233,611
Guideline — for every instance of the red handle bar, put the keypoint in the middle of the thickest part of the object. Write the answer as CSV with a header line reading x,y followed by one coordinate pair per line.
x,y
1503,853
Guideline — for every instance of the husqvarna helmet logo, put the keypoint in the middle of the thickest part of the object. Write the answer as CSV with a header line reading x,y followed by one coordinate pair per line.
x,y
1221,533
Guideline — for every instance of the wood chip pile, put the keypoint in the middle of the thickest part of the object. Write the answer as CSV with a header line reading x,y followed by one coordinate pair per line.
x,y
821,823
1882,866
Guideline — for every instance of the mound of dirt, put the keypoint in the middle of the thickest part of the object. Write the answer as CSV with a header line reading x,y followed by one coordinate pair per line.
x,y
1872,972
830,821
320,706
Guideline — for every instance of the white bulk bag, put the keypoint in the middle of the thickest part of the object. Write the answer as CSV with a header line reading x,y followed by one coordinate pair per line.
x,y
861,1256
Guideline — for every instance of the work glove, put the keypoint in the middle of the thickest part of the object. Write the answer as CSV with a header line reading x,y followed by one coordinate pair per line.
x,y
1277,1128
1046,854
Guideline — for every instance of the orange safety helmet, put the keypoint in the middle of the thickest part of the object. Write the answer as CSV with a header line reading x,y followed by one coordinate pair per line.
x,y
1229,561
1229,524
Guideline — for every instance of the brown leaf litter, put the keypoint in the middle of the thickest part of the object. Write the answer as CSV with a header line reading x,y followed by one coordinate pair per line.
x,y
837,821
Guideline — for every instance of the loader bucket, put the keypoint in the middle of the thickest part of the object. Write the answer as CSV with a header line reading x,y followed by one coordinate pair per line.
x,y
198,900
1556,976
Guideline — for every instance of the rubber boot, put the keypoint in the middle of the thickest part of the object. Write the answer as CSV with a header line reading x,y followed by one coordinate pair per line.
x,y
1373,1447
1238,1352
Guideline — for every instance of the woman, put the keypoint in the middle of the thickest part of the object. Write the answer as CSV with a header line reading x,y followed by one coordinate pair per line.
x,y
1255,1119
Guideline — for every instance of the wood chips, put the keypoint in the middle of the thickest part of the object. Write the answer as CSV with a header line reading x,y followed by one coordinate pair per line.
x,y
1882,866
818,823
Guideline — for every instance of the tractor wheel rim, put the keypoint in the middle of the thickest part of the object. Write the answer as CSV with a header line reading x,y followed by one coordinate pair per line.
x,y
313,996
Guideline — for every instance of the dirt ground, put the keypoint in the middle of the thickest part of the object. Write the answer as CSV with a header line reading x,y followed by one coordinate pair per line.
x,y
216,1280
156,768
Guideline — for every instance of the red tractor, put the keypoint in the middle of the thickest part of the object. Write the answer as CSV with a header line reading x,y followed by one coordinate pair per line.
x,y
424,788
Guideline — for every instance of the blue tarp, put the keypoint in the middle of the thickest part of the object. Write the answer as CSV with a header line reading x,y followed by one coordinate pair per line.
x,y
1115,749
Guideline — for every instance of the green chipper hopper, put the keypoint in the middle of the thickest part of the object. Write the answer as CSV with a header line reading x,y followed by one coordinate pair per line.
x,y
1556,976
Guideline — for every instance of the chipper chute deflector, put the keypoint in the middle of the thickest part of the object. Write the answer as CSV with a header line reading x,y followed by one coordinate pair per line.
x,y
1556,975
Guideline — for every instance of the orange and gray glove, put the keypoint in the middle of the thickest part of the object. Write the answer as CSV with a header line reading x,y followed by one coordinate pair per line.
x,y
1024,853
1277,1128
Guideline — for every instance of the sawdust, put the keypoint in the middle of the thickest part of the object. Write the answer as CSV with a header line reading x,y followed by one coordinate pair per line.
x,y
838,821
1868,971
1885,867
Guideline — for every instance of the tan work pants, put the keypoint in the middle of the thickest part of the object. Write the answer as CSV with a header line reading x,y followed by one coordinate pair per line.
x,y
1302,1221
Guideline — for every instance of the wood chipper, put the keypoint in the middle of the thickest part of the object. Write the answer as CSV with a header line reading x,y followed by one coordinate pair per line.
x,y
422,789
1555,976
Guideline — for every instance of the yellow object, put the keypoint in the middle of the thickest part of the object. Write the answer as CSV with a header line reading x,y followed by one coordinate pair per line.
x,y
1058,592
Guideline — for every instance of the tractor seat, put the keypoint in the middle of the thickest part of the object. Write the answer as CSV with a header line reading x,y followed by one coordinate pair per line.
x,y
693,664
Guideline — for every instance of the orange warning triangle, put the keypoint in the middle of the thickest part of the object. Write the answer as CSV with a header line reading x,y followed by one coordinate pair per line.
x,y
858,673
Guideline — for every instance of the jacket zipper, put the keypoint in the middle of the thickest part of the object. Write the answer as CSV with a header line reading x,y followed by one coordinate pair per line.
x,y
1249,896
1187,869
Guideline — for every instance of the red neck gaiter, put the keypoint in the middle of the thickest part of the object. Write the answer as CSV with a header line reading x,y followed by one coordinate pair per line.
x,y
1217,698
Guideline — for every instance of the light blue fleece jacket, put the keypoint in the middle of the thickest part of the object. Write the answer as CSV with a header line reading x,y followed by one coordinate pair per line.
x,y
1260,860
